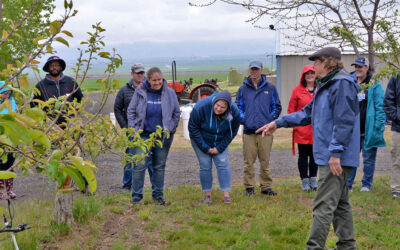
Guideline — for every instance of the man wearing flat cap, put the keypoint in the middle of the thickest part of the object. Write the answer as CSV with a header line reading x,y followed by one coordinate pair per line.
x,y
121,104
56,84
258,103
334,114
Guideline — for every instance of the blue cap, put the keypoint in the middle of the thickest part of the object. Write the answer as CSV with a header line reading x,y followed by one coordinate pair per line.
x,y
361,61
255,64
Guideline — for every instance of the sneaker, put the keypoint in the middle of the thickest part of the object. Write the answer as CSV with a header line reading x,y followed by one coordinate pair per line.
x,y
207,199
11,194
136,201
249,191
364,189
269,191
306,185
313,183
126,187
161,201
351,189
395,194
227,200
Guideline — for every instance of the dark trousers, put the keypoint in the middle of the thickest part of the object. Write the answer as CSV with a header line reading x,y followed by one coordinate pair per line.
x,y
307,167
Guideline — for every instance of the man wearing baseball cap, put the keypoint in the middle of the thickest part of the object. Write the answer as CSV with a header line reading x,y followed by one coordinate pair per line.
x,y
121,105
372,121
334,115
258,103
56,84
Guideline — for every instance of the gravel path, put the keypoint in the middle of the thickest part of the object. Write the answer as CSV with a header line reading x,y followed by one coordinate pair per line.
x,y
182,168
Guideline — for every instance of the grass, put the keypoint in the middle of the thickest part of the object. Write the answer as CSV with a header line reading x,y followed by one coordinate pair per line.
x,y
92,84
260,222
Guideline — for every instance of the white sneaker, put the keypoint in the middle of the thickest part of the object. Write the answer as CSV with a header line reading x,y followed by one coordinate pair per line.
x,y
364,189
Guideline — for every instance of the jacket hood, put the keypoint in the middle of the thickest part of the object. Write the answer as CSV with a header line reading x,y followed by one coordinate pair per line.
x,y
224,96
51,81
305,70
11,98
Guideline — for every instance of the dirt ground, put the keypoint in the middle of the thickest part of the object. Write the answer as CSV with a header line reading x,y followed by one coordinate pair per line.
x,y
182,168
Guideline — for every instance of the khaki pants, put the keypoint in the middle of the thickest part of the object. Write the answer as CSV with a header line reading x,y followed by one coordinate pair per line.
x,y
332,206
395,183
253,146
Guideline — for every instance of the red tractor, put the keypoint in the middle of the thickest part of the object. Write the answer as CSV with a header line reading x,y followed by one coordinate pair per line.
x,y
182,90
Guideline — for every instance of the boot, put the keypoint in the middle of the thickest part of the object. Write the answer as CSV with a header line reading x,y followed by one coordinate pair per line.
x,y
306,185
2,196
314,183
9,185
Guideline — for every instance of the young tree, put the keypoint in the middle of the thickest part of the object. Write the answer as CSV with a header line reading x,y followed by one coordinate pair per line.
x,y
32,134
311,24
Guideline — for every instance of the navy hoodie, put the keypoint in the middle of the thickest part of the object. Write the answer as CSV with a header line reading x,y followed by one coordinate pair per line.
x,y
153,109
208,130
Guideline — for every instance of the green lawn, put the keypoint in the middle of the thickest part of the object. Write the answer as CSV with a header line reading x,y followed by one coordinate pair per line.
x,y
260,222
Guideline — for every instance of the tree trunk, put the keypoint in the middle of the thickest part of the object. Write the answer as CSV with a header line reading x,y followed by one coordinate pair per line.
x,y
63,206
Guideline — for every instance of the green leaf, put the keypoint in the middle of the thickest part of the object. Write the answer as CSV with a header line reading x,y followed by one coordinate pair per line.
x,y
56,155
37,39
66,32
62,40
14,130
52,170
55,27
40,137
75,175
35,113
5,175
86,169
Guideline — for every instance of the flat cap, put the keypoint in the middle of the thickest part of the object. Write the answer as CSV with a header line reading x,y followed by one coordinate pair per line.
x,y
326,52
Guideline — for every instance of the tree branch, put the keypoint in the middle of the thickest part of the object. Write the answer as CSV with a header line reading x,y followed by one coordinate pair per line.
x,y
20,23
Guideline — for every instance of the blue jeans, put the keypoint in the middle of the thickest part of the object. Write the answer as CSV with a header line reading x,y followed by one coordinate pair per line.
x,y
156,159
369,157
127,178
221,163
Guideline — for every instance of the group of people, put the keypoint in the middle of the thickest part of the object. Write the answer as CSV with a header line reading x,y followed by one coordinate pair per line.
x,y
335,115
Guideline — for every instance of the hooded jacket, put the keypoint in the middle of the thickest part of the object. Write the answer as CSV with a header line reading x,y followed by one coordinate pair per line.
x,y
374,115
257,105
14,106
54,89
334,114
391,103
169,107
301,97
121,103
208,130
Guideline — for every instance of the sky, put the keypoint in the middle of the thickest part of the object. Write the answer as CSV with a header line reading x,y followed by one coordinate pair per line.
x,y
170,25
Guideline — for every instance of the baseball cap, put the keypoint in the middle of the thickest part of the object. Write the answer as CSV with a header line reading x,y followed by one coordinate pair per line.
x,y
137,67
361,61
255,64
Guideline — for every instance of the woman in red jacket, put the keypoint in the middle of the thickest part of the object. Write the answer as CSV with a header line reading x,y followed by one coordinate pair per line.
x,y
302,94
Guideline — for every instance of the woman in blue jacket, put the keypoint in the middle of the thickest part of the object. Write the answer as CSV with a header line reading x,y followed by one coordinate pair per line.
x,y
7,94
153,104
213,124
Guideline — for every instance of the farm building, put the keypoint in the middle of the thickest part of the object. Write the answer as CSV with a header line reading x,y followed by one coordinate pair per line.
x,y
289,67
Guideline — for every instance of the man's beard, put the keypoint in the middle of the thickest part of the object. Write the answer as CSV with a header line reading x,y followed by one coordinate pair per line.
x,y
55,73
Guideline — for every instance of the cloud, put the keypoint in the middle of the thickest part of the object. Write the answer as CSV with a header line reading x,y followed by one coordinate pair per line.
x,y
164,21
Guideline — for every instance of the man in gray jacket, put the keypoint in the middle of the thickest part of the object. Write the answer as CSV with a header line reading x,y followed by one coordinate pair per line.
x,y
121,104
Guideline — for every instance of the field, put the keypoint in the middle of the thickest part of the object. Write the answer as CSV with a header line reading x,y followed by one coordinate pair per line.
x,y
282,222
108,221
